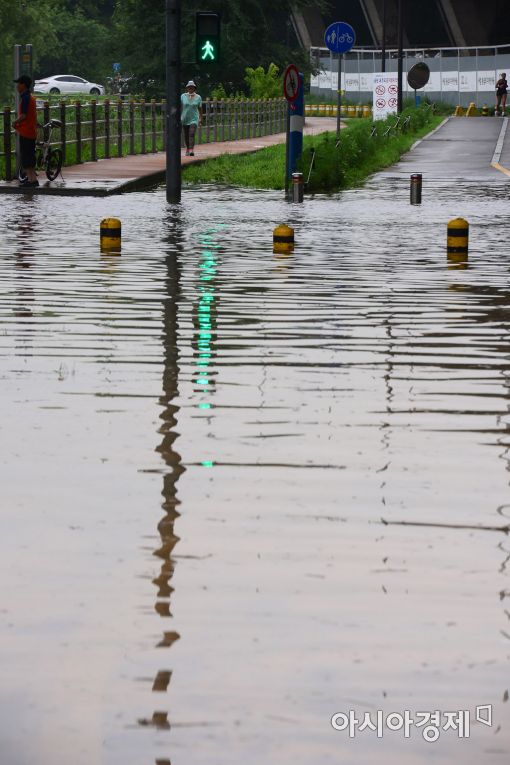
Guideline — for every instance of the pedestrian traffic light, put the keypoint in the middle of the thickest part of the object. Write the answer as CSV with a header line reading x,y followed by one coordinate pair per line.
x,y
207,37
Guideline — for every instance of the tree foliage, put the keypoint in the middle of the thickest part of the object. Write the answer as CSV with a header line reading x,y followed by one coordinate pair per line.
x,y
255,33
68,36
81,48
86,37
263,84
23,23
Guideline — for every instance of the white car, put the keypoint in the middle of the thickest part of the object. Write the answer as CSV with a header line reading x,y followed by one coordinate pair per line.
x,y
67,83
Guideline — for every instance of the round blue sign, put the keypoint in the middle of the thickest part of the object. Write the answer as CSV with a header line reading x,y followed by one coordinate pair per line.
x,y
339,37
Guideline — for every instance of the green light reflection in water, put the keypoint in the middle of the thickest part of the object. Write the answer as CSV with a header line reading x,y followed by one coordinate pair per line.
x,y
205,320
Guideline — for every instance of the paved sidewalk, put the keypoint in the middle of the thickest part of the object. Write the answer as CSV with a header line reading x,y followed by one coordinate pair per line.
x,y
462,148
114,176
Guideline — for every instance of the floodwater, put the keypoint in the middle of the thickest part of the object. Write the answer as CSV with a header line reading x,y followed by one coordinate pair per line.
x,y
241,491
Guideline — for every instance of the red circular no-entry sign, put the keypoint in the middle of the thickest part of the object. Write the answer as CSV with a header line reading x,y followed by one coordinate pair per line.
x,y
291,83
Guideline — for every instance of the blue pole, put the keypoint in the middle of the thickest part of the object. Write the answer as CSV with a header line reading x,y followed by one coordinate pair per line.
x,y
297,121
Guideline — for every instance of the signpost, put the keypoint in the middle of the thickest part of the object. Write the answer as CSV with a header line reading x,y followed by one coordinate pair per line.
x,y
339,37
293,92
291,83
417,77
385,95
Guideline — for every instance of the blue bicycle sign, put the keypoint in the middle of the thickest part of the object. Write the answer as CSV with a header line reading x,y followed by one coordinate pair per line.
x,y
339,37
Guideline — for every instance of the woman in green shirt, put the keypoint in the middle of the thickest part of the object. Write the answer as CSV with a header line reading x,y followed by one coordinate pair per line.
x,y
191,116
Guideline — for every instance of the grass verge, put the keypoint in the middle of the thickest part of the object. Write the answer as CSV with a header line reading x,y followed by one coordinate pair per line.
x,y
359,155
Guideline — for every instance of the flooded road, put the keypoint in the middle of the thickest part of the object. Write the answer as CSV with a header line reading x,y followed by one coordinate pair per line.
x,y
239,488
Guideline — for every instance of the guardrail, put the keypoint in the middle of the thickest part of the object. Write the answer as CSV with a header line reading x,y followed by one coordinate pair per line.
x,y
99,130
330,110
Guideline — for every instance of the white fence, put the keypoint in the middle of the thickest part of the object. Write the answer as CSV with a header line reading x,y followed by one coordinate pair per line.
x,y
457,75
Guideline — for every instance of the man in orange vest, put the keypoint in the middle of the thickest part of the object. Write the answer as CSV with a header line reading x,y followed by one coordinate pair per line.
x,y
26,127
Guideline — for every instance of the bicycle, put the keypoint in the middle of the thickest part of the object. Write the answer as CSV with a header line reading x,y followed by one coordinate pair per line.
x,y
47,157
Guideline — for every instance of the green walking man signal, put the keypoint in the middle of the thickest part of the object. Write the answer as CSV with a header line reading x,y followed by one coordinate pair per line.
x,y
208,51
207,37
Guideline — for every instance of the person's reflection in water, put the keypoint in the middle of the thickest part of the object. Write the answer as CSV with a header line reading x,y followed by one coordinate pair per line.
x,y
26,234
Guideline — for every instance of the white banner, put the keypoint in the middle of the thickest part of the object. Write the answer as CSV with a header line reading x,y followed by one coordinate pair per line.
x,y
486,80
366,81
385,95
467,81
325,80
351,82
449,81
434,83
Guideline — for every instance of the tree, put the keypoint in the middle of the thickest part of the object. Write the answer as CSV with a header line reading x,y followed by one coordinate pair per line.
x,y
139,29
83,48
68,36
264,84
28,23
254,33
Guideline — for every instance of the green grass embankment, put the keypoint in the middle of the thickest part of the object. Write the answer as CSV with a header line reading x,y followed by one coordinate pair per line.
x,y
358,155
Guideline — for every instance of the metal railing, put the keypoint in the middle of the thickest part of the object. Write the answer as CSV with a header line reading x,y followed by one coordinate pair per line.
x,y
457,75
100,130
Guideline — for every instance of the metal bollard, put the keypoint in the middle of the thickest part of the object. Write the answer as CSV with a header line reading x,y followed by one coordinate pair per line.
x,y
297,187
416,188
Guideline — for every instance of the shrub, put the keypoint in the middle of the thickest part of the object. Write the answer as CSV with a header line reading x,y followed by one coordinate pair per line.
x,y
263,84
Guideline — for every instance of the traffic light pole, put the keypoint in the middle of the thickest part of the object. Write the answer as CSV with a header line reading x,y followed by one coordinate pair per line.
x,y
173,101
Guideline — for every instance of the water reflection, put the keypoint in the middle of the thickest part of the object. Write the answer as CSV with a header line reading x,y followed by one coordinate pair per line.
x,y
27,232
205,318
172,459
351,380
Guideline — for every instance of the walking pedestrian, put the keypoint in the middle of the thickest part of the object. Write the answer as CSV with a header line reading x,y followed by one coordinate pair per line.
x,y
191,116
501,91
26,127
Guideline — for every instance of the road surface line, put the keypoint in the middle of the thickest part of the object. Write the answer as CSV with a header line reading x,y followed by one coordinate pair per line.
x,y
499,146
501,169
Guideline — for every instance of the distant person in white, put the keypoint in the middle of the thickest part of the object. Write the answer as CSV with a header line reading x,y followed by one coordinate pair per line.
x,y
191,116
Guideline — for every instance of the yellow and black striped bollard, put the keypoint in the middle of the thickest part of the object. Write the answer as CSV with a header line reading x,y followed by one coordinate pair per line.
x,y
283,238
457,241
110,234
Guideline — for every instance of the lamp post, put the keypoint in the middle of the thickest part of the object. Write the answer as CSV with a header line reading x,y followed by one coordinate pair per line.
x,y
383,42
400,36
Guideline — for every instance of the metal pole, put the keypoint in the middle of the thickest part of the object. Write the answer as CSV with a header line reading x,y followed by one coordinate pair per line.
x,y
339,97
17,72
416,181
400,34
297,187
173,101
287,150
383,46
